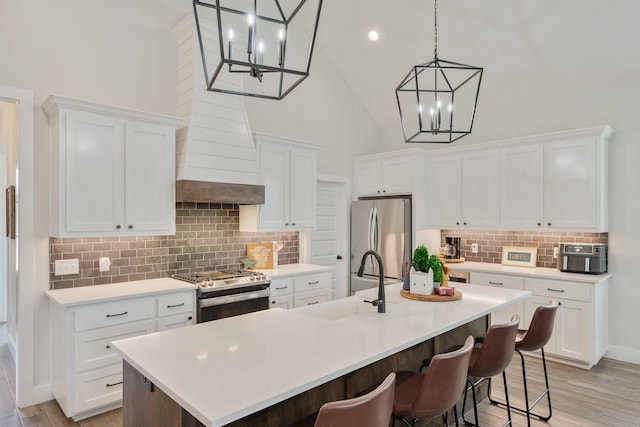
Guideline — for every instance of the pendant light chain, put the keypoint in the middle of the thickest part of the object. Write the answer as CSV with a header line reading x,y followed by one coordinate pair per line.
x,y
435,26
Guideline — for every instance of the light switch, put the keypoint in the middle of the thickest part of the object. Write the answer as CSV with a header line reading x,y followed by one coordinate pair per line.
x,y
66,266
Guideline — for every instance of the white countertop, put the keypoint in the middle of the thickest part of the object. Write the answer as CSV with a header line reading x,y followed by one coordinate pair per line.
x,y
540,272
293,270
99,293
224,370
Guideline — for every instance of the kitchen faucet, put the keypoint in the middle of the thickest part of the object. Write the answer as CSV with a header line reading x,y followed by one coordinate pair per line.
x,y
380,301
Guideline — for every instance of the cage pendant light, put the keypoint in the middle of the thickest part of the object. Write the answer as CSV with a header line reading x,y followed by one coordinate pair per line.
x,y
437,100
259,48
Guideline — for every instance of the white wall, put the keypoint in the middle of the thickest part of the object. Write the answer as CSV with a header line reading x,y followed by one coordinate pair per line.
x,y
123,53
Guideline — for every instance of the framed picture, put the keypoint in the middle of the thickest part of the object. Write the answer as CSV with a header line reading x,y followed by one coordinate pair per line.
x,y
518,256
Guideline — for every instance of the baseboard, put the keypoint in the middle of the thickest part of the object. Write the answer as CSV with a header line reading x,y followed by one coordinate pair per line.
x,y
623,354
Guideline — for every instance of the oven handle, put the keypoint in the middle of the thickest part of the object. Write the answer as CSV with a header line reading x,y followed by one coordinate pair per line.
x,y
228,299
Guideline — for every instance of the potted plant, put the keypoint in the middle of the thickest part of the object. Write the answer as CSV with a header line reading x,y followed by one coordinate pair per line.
x,y
425,270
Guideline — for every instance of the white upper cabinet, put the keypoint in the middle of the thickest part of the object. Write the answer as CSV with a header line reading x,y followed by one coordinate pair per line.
x,y
555,182
289,172
463,189
112,170
391,175
521,186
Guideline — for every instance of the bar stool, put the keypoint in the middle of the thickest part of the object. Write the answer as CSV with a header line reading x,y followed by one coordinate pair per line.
x,y
490,358
434,393
532,339
372,409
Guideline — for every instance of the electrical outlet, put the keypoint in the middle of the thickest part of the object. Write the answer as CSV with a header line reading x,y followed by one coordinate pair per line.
x,y
556,251
474,248
66,266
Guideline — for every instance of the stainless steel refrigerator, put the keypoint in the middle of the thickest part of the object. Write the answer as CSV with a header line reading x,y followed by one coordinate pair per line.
x,y
382,225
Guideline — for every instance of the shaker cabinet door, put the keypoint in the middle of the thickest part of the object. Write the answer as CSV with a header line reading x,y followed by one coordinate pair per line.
x,y
93,172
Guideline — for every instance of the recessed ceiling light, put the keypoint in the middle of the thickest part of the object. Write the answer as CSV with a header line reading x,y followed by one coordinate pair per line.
x,y
373,35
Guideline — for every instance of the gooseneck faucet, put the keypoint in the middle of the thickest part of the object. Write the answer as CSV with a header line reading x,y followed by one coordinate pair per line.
x,y
380,301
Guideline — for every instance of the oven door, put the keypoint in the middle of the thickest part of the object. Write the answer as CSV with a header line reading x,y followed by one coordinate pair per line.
x,y
216,306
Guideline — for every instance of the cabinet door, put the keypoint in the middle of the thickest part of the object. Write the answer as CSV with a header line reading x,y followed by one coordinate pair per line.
x,y
570,186
150,178
521,187
443,188
573,330
368,177
481,189
274,163
397,175
94,181
303,189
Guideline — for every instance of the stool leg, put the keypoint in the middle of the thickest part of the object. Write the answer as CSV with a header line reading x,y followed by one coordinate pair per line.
x,y
475,405
506,393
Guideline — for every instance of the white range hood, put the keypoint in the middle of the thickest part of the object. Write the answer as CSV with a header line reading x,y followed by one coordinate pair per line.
x,y
215,157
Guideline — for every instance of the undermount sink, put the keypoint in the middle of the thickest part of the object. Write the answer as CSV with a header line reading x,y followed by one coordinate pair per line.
x,y
342,308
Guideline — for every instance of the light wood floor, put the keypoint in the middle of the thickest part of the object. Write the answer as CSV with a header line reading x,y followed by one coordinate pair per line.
x,y
607,395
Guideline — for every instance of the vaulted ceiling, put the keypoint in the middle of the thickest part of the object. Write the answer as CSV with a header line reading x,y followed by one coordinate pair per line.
x,y
527,48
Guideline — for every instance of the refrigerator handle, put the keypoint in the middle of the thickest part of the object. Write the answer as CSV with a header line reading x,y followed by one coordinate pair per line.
x,y
376,241
403,239
369,230
373,229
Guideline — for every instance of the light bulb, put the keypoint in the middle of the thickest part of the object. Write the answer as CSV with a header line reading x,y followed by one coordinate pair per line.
x,y
250,20
230,35
281,34
373,35
260,47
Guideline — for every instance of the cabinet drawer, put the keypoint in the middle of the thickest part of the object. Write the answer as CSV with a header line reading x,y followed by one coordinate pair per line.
x,y
113,313
97,388
310,282
181,302
311,297
283,301
497,280
93,348
562,290
281,286
175,321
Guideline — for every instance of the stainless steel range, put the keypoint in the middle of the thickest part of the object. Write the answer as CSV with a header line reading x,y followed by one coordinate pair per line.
x,y
228,293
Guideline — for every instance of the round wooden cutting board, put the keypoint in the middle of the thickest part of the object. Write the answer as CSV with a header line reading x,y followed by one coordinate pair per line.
x,y
437,298
451,261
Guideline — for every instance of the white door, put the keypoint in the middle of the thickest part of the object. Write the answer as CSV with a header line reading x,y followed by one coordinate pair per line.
x,y
328,244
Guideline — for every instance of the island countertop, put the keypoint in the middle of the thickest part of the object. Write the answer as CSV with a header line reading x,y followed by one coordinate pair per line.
x,y
224,370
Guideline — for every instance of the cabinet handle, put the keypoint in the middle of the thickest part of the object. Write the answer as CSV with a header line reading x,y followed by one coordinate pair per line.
x,y
539,224
190,318
281,288
114,384
464,223
457,223
130,227
286,223
108,347
384,191
314,283
117,314
118,226
496,283
555,290
175,305
378,191
312,303
549,224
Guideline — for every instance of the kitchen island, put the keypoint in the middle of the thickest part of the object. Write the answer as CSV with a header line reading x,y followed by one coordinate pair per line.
x,y
220,372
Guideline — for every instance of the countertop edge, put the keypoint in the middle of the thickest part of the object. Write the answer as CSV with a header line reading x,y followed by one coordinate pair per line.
x,y
529,272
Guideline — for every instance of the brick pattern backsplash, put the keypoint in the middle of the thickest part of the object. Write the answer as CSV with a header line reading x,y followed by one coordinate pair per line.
x,y
490,243
207,238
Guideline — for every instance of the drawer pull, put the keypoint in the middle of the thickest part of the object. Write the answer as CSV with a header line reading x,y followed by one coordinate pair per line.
x,y
496,283
108,347
555,290
281,288
175,305
117,314
313,303
114,384
314,283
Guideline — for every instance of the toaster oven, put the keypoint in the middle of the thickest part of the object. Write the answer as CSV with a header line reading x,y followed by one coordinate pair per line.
x,y
583,258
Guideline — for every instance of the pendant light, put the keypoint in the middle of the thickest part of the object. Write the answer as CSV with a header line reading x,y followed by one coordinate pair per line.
x,y
259,48
437,100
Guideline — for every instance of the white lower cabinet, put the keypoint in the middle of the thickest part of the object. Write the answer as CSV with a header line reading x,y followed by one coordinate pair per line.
x,y
504,282
299,290
580,332
86,369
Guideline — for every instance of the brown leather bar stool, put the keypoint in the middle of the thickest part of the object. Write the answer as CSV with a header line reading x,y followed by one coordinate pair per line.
x,y
532,339
372,409
434,393
490,358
